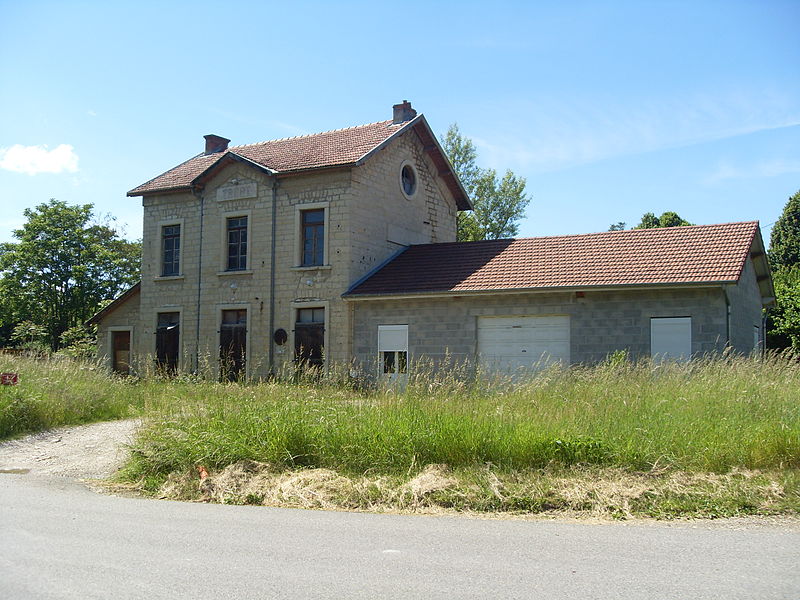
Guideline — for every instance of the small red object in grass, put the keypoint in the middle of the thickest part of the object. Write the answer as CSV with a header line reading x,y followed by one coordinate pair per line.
x,y
203,473
9,378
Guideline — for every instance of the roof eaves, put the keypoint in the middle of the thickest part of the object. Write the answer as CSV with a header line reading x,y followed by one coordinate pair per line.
x,y
137,191
525,290
114,304
467,203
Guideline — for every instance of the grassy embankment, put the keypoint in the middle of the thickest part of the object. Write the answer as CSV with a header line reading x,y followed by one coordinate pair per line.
x,y
58,391
714,438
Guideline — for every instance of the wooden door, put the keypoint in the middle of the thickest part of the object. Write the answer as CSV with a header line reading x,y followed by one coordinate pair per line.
x,y
121,352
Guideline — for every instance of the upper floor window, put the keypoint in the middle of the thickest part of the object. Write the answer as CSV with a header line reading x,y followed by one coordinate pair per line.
x,y
408,179
313,237
237,243
170,250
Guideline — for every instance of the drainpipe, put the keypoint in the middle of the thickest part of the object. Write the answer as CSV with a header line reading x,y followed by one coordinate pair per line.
x,y
201,198
272,276
727,316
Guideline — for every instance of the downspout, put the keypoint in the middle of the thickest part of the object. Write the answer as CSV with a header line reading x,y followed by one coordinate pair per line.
x,y
272,276
201,198
727,317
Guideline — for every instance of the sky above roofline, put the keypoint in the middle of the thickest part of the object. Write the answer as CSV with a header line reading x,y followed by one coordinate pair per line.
x,y
609,109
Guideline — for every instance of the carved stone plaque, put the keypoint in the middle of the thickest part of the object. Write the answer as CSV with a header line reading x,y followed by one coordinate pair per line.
x,y
237,191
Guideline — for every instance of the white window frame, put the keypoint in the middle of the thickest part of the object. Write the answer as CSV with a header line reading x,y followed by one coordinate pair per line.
x,y
326,234
235,214
393,347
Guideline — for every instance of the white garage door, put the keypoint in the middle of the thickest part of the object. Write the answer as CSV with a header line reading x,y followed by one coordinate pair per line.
x,y
508,344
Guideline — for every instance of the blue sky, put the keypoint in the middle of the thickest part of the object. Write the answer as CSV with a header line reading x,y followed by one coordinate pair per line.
x,y
609,109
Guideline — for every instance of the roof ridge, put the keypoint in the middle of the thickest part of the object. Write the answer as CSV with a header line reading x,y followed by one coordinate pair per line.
x,y
309,135
592,234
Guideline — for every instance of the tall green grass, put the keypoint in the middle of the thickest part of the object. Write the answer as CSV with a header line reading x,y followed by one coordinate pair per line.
x,y
59,390
710,415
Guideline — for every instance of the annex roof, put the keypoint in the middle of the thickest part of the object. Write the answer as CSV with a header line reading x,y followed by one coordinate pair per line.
x,y
702,254
329,149
116,303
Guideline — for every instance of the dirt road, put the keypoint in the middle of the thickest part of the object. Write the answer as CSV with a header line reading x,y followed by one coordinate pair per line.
x,y
85,452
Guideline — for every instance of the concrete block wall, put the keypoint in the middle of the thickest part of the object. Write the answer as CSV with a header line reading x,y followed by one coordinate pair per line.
x,y
600,322
745,311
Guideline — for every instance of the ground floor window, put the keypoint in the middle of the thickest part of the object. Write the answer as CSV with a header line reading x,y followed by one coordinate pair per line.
x,y
121,352
309,336
232,344
167,342
671,338
393,349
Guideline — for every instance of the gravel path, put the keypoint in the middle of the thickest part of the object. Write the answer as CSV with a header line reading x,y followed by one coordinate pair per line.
x,y
85,452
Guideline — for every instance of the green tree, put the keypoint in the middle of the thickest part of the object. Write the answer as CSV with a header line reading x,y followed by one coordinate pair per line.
x,y
499,202
783,322
618,226
63,266
784,244
783,319
667,219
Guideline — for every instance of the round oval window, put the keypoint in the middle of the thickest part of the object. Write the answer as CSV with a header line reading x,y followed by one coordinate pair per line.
x,y
409,180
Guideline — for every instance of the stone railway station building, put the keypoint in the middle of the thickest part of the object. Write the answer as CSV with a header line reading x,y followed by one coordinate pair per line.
x,y
340,247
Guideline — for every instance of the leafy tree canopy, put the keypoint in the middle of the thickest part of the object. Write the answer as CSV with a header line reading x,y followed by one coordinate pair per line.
x,y
650,221
668,219
499,202
784,246
784,317
64,264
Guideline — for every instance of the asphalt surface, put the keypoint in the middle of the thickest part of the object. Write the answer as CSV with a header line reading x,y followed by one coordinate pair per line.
x,y
60,540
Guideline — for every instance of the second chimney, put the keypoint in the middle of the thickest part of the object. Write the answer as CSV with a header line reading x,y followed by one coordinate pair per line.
x,y
216,143
403,112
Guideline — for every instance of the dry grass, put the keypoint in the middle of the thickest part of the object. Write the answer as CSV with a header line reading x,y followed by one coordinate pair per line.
x,y
574,492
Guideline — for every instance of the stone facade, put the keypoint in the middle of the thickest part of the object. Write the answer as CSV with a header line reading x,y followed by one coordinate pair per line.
x,y
368,218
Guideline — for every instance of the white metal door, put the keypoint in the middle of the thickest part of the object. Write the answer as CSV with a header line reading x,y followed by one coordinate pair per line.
x,y
519,343
671,338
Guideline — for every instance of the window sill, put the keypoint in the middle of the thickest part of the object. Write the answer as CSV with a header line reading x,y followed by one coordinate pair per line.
x,y
312,268
241,272
168,278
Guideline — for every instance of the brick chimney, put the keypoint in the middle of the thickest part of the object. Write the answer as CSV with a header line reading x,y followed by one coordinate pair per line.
x,y
216,143
403,112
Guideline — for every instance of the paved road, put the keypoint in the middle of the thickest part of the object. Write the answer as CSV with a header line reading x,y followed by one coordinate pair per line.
x,y
60,540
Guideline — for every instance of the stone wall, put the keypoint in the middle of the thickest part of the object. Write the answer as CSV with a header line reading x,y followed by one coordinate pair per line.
x,y
364,208
124,315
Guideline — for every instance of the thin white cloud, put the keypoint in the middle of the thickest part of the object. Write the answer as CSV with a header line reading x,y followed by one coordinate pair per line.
x,y
773,168
557,134
38,159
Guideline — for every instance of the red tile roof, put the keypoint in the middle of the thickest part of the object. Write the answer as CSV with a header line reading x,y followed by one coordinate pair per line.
x,y
674,255
340,147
